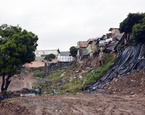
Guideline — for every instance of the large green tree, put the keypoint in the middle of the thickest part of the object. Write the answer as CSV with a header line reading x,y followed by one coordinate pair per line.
x,y
134,25
17,47
132,19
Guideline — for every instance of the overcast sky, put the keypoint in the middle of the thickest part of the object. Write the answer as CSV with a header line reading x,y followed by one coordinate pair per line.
x,y
62,23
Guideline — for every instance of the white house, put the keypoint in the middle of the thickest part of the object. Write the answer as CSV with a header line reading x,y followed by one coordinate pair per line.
x,y
64,57
40,54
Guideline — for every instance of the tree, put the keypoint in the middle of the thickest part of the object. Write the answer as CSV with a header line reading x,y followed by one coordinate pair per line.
x,y
134,25
73,51
17,47
139,32
132,19
49,57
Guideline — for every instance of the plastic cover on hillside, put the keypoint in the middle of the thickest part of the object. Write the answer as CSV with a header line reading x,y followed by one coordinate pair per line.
x,y
130,58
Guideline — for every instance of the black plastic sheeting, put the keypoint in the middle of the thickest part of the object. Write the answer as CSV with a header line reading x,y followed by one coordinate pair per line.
x,y
128,59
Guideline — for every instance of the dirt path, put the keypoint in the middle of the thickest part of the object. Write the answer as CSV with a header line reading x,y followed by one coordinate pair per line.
x,y
89,104
18,83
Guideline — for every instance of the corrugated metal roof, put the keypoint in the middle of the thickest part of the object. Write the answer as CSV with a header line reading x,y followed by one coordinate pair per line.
x,y
102,42
66,53
119,36
112,45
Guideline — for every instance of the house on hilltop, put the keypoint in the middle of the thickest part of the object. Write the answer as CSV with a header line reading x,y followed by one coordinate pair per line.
x,y
40,54
64,57
112,40
114,31
93,46
82,49
117,41
39,58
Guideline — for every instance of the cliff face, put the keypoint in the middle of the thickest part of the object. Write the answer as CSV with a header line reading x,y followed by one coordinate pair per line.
x,y
129,59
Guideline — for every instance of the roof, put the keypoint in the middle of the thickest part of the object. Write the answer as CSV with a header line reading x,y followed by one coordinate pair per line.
x,y
119,36
109,35
112,29
48,50
103,36
111,46
82,44
108,40
102,42
93,39
65,53
39,53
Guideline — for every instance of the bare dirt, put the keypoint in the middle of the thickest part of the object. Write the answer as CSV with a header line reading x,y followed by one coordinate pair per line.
x,y
19,82
125,96
89,104
131,84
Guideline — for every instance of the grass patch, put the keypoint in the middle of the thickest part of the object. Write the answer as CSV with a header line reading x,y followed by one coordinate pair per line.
x,y
96,74
56,77
73,86
9,99
37,73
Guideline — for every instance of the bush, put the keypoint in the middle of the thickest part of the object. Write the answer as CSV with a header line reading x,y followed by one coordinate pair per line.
x,y
97,73
37,73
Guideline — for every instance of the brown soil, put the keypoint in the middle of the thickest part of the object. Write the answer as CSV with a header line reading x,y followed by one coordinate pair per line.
x,y
126,97
132,84
89,104
18,83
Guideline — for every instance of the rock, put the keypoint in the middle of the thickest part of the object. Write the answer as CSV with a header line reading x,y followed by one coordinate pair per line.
x,y
80,76
131,93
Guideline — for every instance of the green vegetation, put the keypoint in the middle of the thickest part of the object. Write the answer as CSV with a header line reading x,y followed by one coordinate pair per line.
x,y
56,77
134,25
37,73
73,51
17,47
73,85
10,99
133,71
120,46
139,31
97,73
127,24
49,57
65,81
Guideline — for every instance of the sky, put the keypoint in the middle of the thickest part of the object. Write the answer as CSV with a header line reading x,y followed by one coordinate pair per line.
x,y
60,24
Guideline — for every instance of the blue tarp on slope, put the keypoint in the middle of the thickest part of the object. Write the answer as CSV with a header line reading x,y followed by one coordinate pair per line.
x,y
131,58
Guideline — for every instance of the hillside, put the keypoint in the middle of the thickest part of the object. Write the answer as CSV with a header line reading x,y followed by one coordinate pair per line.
x,y
132,84
116,87
124,95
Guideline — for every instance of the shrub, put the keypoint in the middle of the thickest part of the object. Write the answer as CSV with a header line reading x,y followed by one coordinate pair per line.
x,y
97,73
37,73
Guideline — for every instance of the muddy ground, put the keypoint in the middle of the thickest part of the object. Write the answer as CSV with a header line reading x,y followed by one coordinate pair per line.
x,y
123,96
